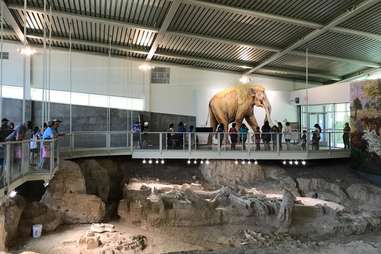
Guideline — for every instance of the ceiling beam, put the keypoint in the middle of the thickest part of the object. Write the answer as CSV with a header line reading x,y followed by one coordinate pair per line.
x,y
186,58
274,49
194,36
8,17
104,21
314,34
164,26
283,19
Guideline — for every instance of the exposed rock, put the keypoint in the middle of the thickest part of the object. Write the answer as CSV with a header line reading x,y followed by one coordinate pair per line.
x,y
10,213
226,172
111,242
78,208
97,179
101,228
367,195
66,195
38,213
68,179
320,188
286,210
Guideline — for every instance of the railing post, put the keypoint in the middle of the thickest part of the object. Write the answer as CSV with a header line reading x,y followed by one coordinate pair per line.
x,y
58,154
218,141
51,155
277,143
189,142
7,169
71,143
132,141
329,142
108,139
161,143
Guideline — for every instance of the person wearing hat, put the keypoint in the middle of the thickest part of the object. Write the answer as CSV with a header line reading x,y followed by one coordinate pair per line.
x,y
4,129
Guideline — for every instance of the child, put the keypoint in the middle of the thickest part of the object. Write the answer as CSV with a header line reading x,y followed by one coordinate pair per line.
x,y
257,137
34,145
303,140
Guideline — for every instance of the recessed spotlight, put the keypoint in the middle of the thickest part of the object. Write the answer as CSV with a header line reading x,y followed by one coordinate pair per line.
x,y
195,162
236,162
12,194
157,161
243,162
304,163
201,162
284,162
149,161
296,162
207,162
162,161
256,162
189,162
249,162
144,161
290,162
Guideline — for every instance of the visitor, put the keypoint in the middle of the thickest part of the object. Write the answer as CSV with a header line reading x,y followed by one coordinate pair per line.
x,y
280,135
287,135
12,126
4,133
20,148
181,135
171,136
34,144
346,133
274,136
233,136
316,137
266,135
243,130
303,140
47,136
221,134
257,137
191,131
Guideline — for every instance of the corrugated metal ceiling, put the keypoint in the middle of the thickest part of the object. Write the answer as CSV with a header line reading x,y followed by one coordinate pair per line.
x,y
213,34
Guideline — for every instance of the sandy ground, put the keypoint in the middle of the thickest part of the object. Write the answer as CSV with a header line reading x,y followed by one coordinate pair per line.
x,y
203,238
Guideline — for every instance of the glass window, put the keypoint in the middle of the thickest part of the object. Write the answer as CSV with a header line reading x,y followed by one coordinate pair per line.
x,y
97,100
36,94
118,102
14,92
80,99
60,96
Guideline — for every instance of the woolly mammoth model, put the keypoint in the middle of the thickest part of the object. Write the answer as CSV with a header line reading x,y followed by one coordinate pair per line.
x,y
237,103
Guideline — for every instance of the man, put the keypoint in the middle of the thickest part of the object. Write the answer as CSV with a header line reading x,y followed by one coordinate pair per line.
x,y
50,133
20,132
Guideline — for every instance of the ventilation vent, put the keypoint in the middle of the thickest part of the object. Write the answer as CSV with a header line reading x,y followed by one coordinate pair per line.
x,y
4,55
160,75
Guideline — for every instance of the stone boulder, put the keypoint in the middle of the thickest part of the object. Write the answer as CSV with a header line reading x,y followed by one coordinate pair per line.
x,y
96,178
10,213
68,179
78,208
320,188
226,172
367,195
38,213
66,194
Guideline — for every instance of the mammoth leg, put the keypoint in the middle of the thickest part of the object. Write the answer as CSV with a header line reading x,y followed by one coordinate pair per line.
x,y
222,119
252,121
213,124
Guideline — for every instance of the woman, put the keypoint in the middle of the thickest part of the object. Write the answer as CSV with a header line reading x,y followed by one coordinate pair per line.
x,y
346,133
287,135
316,137
233,136
274,136
280,131
243,135
266,135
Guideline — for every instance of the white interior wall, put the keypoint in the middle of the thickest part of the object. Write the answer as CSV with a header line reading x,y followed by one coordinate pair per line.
x,y
188,93
335,93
